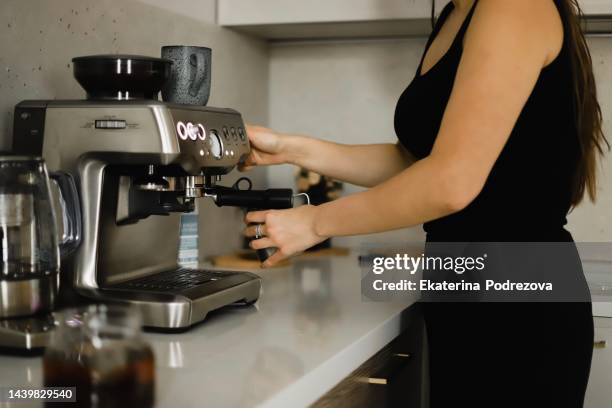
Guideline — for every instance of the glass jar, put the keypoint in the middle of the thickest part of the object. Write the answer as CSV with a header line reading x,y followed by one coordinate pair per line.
x,y
99,351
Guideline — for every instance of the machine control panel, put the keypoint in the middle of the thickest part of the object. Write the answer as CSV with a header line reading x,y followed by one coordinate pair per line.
x,y
216,137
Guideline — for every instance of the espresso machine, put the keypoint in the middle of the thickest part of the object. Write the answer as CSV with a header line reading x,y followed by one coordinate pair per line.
x,y
139,164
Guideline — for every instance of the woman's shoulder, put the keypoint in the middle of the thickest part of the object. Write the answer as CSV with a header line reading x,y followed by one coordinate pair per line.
x,y
537,23
442,17
537,15
542,12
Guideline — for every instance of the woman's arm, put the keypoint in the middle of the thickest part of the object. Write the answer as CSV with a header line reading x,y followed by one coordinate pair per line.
x,y
506,47
362,165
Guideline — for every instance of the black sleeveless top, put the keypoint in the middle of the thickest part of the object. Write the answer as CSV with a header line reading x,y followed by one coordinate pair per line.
x,y
527,195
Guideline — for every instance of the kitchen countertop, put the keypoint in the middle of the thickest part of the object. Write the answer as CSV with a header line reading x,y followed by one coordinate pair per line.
x,y
309,330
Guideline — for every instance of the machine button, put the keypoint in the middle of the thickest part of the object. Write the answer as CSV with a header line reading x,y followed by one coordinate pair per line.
x,y
233,133
182,131
202,132
215,145
111,124
192,131
241,134
226,134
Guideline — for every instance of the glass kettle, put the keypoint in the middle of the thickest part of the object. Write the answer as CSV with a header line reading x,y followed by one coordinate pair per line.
x,y
30,249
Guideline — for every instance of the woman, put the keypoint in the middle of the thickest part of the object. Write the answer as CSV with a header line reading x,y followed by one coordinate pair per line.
x,y
500,132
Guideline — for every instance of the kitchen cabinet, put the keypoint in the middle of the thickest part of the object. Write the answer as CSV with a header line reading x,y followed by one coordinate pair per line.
x,y
599,16
235,12
599,393
321,19
393,377
596,7
294,19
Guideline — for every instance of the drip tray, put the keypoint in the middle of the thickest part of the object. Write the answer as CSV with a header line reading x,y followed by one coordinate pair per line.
x,y
180,298
172,281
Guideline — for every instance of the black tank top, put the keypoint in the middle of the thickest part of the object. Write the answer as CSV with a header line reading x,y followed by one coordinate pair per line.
x,y
527,195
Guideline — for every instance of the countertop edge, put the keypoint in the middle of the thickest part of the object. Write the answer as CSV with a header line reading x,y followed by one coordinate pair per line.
x,y
326,376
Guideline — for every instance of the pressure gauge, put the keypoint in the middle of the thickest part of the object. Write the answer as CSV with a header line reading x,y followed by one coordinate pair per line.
x,y
215,145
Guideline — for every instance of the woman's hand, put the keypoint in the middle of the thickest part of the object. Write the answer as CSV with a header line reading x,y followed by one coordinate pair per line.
x,y
267,148
290,231
363,165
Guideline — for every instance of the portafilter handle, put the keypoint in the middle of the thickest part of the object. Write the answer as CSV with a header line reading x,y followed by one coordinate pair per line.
x,y
271,199
255,200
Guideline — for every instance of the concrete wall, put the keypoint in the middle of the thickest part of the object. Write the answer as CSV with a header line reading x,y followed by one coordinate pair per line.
x,y
347,91
38,38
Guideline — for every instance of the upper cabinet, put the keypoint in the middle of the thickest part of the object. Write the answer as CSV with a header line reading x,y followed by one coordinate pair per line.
x,y
311,19
596,7
291,19
599,15
235,12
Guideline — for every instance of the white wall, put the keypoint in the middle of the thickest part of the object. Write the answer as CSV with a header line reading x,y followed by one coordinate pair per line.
x,y
38,38
593,222
346,92
341,91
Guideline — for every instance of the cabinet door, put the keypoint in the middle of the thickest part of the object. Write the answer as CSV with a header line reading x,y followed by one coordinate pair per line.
x,y
394,377
249,12
596,7
599,393
589,7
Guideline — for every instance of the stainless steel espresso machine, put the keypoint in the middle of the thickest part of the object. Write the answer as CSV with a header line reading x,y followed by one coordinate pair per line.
x,y
139,163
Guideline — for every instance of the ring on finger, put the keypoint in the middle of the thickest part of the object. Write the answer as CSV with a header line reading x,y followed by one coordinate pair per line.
x,y
258,233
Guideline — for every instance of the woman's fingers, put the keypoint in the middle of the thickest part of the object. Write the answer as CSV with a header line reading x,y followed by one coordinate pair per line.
x,y
254,230
262,243
265,148
256,217
274,259
252,129
290,231
255,159
245,168
251,159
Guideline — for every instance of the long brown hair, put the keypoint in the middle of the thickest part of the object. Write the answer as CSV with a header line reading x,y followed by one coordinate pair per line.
x,y
592,141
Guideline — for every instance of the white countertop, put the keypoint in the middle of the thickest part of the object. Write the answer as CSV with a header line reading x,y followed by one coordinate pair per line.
x,y
309,330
